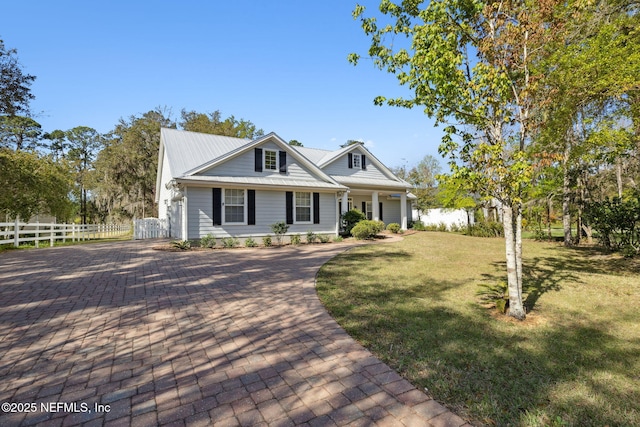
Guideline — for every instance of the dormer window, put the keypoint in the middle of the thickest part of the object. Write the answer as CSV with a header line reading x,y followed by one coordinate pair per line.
x,y
270,160
356,161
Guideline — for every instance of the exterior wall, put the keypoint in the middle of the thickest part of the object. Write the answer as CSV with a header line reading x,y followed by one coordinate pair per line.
x,y
165,195
244,165
270,208
340,167
390,208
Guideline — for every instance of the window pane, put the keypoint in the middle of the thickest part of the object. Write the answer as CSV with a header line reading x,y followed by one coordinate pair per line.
x,y
270,160
234,205
356,161
303,207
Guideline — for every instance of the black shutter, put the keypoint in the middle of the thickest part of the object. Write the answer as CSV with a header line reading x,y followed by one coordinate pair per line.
x,y
283,161
251,196
364,208
316,208
289,207
258,162
364,162
217,206
350,161
380,218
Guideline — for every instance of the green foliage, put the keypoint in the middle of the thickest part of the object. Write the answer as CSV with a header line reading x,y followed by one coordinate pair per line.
x,y
324,238
125,170
230,242
15,86
213,123
617,223
23,132
350,219
33,184
266,241
311,237
250,243
367,229
497,295
442,227
279,229
338,239
418,225
486,229
208,241
295,239
183,245
394,227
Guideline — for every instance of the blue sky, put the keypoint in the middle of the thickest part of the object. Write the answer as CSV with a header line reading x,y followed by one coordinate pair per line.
x,y
280,64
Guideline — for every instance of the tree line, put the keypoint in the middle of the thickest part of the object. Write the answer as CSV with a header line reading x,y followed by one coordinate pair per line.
x,y
80,174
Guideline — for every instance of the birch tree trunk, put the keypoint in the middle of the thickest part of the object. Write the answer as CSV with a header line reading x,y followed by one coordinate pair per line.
x,y
514,276
566,195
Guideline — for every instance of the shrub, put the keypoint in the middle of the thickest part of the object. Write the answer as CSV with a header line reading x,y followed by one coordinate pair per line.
x,y
431,227
324,238
454,228
418,225
250,243
266,241
497,294
295,239
487,229
230,242
617,222
350,219
442,227
338,239
394,227
379,226
183,245
365,229
208,241
311,237
279,229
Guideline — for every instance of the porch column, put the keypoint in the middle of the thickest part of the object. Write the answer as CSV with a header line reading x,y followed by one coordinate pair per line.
x,y
185,217
403,210
345,202
375,206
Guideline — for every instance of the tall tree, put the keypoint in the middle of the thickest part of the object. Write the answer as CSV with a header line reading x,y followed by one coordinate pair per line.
x,y
425,185
20,132
15,86
471,63
84,143
125,175
214,124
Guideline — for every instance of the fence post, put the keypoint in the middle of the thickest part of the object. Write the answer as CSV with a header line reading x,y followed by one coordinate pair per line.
x,y
52,235
16,241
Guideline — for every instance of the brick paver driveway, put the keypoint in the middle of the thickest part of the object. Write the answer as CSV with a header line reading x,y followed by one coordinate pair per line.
x,y
186,338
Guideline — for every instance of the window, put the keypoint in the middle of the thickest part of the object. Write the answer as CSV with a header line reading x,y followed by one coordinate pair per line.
x,y
303,207
234,206
369,210
270,160
356,161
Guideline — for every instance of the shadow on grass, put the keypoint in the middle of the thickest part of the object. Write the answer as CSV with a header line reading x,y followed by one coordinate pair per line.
x,y
575,372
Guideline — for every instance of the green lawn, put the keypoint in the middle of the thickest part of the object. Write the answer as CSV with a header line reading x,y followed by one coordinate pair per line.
x,y
574,361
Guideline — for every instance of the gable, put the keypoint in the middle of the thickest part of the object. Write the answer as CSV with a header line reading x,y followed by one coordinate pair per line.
x,y
251,162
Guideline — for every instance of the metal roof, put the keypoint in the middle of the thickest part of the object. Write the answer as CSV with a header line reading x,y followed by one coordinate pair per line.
x,y
187,150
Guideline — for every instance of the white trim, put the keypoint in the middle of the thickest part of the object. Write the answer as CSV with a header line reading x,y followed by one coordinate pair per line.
x,y
244,206
264,160
358,164
295,207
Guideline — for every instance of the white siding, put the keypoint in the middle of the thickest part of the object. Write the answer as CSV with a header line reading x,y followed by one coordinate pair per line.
x,y
340,167
270,208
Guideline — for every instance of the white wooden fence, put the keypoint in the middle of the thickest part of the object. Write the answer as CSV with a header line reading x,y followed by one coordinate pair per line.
x,y
19,232
150,228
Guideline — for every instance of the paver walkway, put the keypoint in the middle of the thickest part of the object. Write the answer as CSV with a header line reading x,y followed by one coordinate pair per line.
x,y
186,338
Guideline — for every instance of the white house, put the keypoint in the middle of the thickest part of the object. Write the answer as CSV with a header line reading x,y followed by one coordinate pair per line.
x,y
232,187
